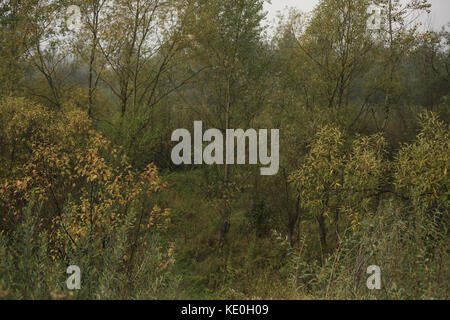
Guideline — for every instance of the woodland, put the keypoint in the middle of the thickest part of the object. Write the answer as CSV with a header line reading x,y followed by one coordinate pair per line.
x,y
90,97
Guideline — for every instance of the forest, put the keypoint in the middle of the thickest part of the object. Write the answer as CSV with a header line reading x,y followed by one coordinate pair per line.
x,y
91,92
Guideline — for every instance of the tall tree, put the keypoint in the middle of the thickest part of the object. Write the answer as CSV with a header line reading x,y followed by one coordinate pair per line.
x,y
226,38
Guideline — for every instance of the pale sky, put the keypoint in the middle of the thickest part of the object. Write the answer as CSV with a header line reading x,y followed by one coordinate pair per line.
x,y
439,16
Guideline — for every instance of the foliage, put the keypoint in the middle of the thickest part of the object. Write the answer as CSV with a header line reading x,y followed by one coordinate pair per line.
x,y
86,177
85,204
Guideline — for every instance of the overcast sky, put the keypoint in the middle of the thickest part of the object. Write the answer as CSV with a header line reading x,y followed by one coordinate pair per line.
x,y
439,16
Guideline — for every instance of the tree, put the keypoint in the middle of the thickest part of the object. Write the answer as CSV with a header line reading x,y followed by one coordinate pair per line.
x,y
226,40
333,45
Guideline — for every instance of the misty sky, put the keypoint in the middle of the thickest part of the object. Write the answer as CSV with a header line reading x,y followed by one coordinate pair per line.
x,y
439,16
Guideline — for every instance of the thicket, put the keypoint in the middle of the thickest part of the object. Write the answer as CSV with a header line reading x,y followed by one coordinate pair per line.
x,y
86,178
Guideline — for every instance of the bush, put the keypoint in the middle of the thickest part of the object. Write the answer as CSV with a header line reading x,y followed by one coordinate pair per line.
x,y
73,199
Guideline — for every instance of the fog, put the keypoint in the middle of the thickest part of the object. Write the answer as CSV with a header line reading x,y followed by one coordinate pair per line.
x,y
439,16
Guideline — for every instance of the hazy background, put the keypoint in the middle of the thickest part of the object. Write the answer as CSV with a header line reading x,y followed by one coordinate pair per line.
x,y
439,16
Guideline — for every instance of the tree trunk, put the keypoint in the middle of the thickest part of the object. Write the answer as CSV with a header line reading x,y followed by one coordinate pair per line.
x,y
322,233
